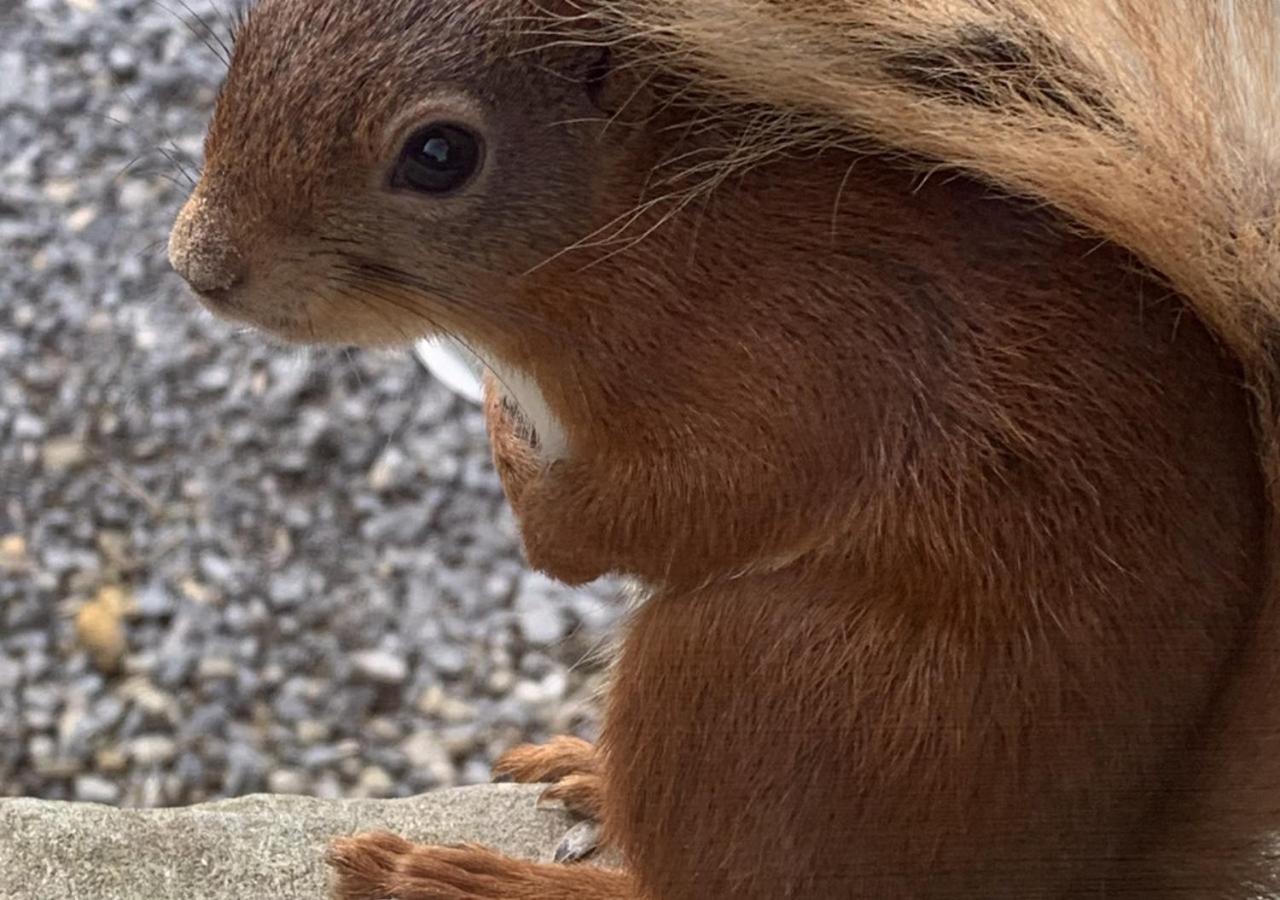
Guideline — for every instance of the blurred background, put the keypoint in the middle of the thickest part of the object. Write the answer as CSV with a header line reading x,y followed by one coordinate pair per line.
x,y
227,567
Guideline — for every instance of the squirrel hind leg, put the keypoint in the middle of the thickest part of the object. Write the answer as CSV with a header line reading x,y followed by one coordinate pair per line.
x,y
380,866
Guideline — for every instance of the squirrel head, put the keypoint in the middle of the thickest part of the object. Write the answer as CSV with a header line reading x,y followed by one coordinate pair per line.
x,y
376,172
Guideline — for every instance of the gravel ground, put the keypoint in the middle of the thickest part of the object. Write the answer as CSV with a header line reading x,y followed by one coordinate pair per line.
x,y
227,567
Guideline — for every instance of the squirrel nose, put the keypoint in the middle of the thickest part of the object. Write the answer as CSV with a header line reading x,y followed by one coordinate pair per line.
x,y
202,251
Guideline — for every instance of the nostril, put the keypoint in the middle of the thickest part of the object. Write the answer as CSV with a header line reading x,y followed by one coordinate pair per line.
x,y
203,252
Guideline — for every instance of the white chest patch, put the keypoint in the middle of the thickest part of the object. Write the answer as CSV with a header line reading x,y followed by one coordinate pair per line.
x,y
524,391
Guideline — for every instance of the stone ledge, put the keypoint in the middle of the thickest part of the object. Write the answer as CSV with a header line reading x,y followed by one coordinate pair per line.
x,y
268,847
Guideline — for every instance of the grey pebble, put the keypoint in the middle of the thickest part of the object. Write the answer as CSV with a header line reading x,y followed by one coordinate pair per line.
x,y
287,781
448,658
540,617
152,750
245,770
380,666
154,601
10,674
96,789
289,588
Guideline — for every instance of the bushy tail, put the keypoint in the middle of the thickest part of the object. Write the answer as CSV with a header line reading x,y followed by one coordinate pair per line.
x,y
1153,123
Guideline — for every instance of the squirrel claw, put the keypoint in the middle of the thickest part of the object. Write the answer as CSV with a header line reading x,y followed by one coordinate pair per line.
x,y
579,794
579,843
567,764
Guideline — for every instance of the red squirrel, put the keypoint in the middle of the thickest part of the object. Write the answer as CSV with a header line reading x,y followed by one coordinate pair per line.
x,y
910,357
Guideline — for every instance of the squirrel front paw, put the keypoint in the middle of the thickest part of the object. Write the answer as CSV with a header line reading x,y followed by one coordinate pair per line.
x,y
572,767
569,764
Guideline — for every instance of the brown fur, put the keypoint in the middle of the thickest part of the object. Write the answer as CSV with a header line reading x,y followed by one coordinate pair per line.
x,y
571,765
380,866
953,524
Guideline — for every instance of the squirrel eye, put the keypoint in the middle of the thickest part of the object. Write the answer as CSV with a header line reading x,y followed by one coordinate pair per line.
x,y
437,159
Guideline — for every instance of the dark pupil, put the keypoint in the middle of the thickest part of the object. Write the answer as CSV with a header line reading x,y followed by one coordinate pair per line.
x,y
437,159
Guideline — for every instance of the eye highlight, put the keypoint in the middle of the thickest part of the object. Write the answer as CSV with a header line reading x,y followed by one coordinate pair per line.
x,y
438,159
